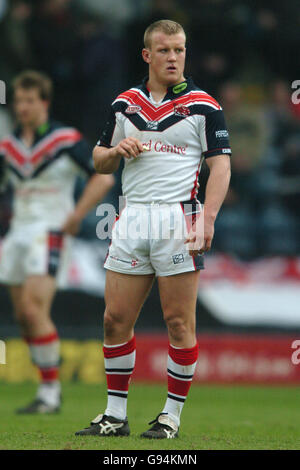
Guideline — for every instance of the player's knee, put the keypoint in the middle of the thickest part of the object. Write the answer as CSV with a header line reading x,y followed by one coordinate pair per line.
x,y
29,314
19,315
177,326
113,322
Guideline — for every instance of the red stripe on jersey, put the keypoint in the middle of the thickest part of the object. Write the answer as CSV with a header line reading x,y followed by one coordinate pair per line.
x,y
198,96
179,387
12,151
118,382
157,113
194,190
127,348
42,340
66,137
147,109
190,97
184,356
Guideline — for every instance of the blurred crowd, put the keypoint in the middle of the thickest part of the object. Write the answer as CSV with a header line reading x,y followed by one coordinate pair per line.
x,y
243,52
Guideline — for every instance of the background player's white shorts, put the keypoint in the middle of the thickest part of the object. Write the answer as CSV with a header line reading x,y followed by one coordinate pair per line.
x,y
29,251
149,239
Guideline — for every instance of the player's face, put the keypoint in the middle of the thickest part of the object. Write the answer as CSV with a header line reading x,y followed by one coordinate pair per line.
x,y
166,58
28,106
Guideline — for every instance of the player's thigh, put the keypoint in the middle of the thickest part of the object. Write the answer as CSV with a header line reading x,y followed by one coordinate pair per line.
x,y
178,294
125,294
45,253
16,295
12,260
38,293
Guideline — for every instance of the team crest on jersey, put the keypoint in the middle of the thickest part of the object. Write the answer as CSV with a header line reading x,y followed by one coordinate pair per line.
x,y
181,110
133,109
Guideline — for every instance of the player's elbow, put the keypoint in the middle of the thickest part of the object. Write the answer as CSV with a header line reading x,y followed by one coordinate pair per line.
x,y
97,152
227,167
108,181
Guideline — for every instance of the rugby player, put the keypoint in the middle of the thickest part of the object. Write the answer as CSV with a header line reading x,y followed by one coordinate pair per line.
x,y
163,129
42,159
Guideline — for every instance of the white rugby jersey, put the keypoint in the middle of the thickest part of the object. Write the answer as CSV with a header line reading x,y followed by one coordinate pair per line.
x,y
43,176
185,127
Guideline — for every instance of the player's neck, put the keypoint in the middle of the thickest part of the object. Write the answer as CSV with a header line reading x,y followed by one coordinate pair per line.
x,y
158,90
28,130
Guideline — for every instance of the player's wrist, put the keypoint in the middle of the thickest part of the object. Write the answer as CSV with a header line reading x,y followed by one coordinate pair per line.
x,y
209,216
114,153
78,214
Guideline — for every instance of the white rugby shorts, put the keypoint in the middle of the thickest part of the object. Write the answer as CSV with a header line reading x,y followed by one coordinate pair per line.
x,y
31,251
149,239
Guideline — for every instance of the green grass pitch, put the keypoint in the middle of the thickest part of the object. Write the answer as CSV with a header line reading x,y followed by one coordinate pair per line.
x,y
214,417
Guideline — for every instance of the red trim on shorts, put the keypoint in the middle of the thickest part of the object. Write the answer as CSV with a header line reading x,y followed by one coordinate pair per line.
x,y
42,339
189,220
127,348
118,216
55,240
184,356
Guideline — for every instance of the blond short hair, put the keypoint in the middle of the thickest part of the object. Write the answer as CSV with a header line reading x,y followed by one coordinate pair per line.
x,y
31,79
168,27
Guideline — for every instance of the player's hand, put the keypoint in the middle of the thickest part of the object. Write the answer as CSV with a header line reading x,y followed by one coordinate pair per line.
x,y
195,242
72,224
198,241
129,148
209,230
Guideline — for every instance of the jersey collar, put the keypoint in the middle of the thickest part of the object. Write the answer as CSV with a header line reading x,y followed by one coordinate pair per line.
x,y
40,131
173,91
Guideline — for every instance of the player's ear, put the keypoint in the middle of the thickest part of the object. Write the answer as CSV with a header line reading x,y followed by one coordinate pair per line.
x,y
146,54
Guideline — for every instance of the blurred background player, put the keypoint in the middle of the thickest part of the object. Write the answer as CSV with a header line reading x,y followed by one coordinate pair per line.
x,y
165,113
42,159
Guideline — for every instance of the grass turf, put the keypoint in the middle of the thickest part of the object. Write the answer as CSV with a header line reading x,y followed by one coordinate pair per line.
x,y
214,417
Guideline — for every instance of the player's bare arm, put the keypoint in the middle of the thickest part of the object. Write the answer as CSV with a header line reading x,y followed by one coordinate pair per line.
x,y
216,189
107,160
95,190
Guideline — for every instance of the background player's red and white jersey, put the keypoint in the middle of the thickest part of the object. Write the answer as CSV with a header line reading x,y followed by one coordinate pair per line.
x,y
185,127
43,176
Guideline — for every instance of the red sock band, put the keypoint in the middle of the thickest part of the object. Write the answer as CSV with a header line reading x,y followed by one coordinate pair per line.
x,y
184,356
42,339
49,375
118,382
178,387
127,348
